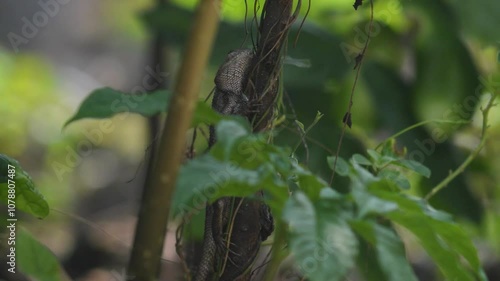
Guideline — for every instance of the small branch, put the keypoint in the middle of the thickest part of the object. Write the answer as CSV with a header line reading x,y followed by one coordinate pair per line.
x,y
420,124
263,85
151,227
262,91
472,156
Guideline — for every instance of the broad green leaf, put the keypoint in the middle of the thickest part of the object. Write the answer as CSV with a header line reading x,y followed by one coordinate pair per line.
x,y
446,258
309,183
330,194
205,178
205,114
342,167
361,160
27,198
35,259
228,132
411,203
106,102
443,240
251,151
239,164
370,204
396,177
390,251
367,262
322,243
374,155
362,175
379,160
415,166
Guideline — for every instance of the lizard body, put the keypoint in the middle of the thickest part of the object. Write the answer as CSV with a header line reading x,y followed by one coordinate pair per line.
x,y
229,99
230,83
253,220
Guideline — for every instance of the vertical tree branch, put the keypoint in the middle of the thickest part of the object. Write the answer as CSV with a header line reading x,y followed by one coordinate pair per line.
x,y
157,57
262,90
263,85
155,206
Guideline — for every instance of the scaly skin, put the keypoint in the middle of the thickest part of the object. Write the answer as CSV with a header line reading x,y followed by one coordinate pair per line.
x,y
229,99
205,268
253,220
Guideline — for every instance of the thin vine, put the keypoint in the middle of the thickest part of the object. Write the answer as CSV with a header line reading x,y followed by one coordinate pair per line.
x,y
359,61
444,183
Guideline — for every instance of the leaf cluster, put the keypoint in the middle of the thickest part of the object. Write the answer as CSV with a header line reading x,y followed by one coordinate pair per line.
x,y
327,232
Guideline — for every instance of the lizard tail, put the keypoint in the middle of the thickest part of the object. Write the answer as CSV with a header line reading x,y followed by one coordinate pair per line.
x,y
205,268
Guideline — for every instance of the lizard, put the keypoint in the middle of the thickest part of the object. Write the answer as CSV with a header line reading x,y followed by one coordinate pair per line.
x,y
230,83
229,99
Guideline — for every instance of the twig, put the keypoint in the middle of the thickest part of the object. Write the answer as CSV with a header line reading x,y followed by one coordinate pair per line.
x,y
179,249
407,129
230,232
359,63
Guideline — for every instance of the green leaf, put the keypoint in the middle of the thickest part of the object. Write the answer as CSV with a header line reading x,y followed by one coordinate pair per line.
x,y
342,167
367,262
300,125
205,114
35,259
228,133
330,194
309,183
415,166
388,148
361,160
390,251
27,197
321,241
205,179
318,117
362,176
379,160
374,155
251,151
396,177
443,240
369,204
239,164
106,102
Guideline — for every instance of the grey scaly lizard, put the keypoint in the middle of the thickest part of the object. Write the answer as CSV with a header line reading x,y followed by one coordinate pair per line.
x,y
229,99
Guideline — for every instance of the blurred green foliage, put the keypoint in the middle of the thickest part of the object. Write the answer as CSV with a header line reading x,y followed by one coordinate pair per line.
x,y
420,65
325,227
25,196
26,83
427,59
